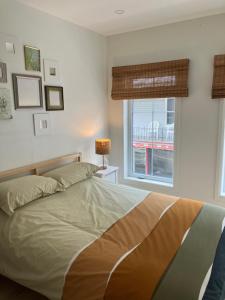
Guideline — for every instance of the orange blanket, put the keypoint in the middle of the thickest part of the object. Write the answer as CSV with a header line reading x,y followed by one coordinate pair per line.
x,y
137,249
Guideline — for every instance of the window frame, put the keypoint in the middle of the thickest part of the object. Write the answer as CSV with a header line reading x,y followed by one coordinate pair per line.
x,y
128,133
219,197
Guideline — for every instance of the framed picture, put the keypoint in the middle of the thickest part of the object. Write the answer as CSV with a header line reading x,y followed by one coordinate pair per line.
x,y
27,91
5,105
54,98
10,47
32,57
51,71
3,73
42,124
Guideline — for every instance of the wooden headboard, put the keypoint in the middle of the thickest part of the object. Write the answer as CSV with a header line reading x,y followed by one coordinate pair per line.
x,y
40,167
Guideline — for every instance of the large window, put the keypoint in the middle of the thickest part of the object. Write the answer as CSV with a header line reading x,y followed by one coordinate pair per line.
x,y
221,162
151,139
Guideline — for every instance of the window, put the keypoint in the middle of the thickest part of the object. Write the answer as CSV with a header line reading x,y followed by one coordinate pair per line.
x,y
151,139
221,166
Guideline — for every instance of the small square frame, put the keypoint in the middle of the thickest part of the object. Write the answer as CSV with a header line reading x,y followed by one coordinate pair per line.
x,y
42,124
50,105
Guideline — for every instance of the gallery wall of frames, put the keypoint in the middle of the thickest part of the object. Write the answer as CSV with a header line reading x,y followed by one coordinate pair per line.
x,y
38,87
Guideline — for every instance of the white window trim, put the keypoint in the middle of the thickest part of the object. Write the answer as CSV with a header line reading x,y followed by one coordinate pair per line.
x,y
220,155
177,140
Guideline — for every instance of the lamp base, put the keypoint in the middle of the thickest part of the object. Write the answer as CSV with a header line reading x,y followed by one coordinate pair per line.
x,y
102,167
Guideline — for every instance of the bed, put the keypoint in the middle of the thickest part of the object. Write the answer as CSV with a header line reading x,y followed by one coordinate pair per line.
x,y
98,240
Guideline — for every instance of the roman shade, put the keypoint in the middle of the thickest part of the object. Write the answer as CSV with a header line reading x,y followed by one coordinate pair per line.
x,y
218,88
154,80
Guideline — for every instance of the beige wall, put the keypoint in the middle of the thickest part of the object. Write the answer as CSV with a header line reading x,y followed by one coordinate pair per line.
x,y
82,57
197,135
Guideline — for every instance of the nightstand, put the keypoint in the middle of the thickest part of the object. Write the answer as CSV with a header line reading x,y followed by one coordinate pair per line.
x,y
110,174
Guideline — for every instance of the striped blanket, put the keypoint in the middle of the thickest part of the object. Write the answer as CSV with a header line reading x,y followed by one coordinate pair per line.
x,y
164,248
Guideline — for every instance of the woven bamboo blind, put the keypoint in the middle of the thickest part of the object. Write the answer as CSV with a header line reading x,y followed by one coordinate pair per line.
x,y
155,80
218,88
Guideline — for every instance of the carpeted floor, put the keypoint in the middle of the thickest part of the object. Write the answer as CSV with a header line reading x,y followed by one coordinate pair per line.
x,y
9,290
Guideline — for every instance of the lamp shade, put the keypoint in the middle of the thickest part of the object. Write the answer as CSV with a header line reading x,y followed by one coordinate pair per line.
x,y
102,146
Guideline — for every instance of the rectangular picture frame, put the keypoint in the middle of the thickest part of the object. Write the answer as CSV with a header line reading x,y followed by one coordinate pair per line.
x,y
54,98
32,58
5,104
3,72
51,72
27,91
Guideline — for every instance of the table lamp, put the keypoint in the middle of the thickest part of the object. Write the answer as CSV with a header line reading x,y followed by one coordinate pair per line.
x,y
102,147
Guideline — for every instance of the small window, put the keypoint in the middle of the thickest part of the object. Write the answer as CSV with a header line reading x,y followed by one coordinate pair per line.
x,y
151,139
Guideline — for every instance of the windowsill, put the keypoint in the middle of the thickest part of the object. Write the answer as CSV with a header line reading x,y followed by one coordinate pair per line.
x,y
220,201
170,185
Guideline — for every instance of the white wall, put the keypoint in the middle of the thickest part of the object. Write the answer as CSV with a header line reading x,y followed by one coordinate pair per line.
x,y
82,57
197,134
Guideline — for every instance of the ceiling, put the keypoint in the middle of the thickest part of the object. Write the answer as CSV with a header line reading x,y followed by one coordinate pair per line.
x,y
99,16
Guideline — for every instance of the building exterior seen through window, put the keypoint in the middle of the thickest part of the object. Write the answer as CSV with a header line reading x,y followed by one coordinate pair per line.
x,y
151,139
